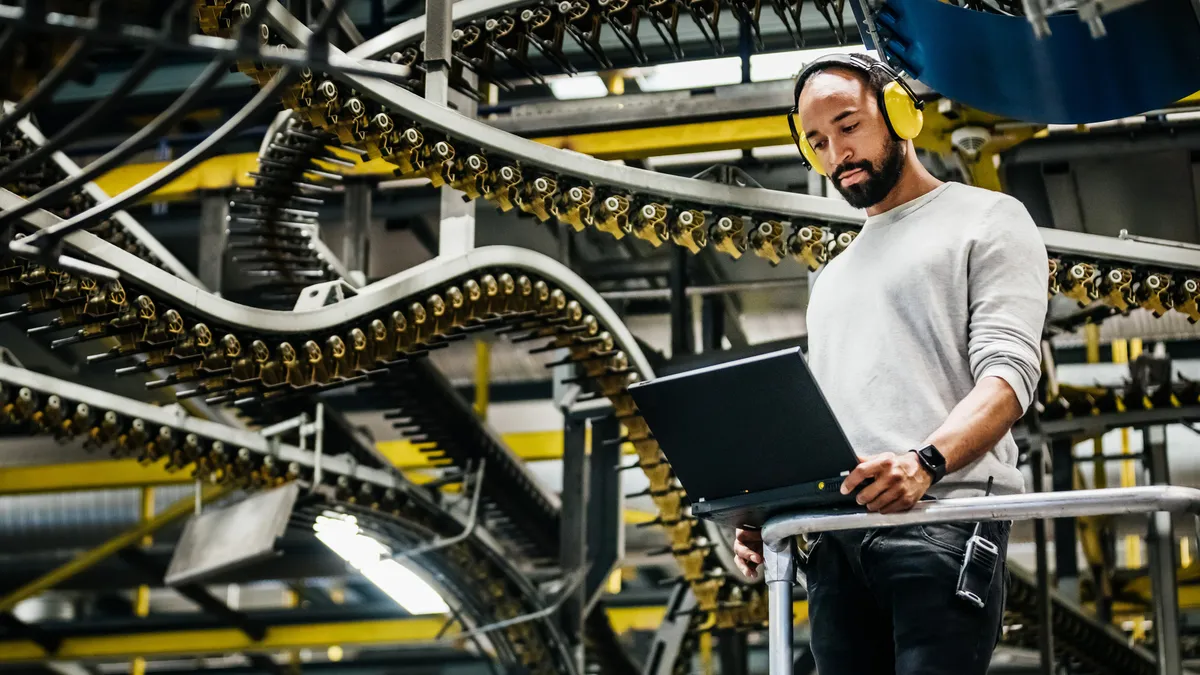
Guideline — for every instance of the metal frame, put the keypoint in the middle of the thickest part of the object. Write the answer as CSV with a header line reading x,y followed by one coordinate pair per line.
x,y
131,225
175,418
780,565
427,275
200,44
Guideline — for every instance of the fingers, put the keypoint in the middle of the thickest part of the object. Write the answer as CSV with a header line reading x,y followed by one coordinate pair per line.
x,y
866,469
748,553
749,537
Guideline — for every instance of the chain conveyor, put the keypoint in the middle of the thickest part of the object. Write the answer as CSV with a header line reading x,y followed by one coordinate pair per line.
x,y
474,570
225,352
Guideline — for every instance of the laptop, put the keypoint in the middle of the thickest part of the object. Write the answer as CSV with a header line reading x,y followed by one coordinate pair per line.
x,y
750,438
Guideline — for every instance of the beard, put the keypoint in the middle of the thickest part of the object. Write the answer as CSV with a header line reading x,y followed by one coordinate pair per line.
x,y
880,180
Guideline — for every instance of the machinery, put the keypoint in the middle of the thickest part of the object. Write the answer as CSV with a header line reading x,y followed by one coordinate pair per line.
x,y
80,273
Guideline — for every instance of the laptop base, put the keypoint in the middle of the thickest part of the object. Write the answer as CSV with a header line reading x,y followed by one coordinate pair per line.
x,y
754,508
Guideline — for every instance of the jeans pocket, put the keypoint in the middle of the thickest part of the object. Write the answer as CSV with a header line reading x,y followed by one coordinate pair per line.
x,y
951,537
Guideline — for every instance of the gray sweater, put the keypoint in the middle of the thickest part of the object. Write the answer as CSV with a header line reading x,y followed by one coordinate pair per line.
x,y
930,298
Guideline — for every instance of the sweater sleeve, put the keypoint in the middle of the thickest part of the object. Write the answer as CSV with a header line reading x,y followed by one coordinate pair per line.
x,y
1007,295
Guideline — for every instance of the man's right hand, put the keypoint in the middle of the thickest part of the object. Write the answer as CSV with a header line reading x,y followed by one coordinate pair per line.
x,y
748,551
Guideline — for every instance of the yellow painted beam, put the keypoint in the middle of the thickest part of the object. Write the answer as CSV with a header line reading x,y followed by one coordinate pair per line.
x,y
99,475
218,173
375,633
677,139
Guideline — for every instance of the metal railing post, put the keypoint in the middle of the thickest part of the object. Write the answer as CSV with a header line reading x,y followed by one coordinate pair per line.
x,y
780,567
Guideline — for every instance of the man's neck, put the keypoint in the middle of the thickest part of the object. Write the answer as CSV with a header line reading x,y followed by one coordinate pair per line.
x,y
915,181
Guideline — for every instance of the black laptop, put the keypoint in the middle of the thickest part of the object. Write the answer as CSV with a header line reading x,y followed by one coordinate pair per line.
x,y
749,438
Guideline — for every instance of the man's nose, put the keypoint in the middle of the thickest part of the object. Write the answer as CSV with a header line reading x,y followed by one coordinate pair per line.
x,y
839,153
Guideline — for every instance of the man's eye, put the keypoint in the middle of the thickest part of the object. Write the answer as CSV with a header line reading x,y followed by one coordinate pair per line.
x,y
850,128
819,145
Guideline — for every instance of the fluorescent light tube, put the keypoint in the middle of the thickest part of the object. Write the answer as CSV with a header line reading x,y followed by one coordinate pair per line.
x,y
374,561
577,86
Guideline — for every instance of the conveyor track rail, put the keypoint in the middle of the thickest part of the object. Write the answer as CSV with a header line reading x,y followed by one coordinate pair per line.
x,y
475,570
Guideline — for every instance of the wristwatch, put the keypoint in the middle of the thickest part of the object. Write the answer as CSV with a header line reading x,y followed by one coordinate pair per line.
x,y
932,461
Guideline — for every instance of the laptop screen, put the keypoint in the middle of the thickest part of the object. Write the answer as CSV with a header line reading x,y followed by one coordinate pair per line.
x,y
753,424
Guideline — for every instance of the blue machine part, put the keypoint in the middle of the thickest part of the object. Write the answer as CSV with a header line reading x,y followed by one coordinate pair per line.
x,y
1150,58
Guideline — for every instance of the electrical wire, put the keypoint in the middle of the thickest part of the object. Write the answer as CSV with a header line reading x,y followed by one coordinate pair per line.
x,y
140,71
49,84
178,108
173,170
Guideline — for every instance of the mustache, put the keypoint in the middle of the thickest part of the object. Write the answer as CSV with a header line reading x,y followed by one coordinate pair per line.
x,y
846,168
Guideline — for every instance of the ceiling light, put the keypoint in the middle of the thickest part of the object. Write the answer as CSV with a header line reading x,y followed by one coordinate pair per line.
x,y
373,560
577,87
785,65
690,74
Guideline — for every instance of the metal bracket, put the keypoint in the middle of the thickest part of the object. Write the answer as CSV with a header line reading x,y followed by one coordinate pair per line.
x,y
325,293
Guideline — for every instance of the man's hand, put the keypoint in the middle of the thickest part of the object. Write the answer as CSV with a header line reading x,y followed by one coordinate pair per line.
x,y
900,481
748,551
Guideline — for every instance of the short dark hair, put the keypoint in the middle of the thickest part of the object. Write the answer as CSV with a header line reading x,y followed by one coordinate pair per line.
x,y
875,78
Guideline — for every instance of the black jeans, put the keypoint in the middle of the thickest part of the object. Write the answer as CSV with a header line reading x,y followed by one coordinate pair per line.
x,y
883,602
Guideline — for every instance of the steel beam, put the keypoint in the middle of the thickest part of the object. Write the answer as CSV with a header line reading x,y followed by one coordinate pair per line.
x,y
1066,561
357,228
214,220
605,504
573,525
1161,540
83,561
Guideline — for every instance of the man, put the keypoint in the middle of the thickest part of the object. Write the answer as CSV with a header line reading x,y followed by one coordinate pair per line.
x,y
924,335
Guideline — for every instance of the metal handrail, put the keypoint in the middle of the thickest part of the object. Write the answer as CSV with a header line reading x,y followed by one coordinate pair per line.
x,y
780,566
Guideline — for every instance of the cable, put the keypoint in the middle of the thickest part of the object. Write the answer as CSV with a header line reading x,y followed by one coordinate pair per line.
x,y
50,83
141,69
178,108
179,166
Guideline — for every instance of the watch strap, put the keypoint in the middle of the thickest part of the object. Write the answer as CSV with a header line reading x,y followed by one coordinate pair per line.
x,y
933,462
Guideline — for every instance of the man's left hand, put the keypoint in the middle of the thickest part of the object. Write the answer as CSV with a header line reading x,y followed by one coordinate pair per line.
x,y
900,481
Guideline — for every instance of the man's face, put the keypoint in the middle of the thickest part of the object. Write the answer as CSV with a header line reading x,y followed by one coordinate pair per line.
x,y
843,124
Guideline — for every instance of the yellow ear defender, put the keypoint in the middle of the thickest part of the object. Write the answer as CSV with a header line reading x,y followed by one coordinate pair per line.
x,y
900,106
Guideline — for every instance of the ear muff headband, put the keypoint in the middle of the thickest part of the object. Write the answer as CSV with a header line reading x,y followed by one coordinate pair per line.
x,y
900,107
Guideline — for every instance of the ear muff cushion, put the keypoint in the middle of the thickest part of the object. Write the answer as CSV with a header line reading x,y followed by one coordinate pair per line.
x,y
902,113
809,153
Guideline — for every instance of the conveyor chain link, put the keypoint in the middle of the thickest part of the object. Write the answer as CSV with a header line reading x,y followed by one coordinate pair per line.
x,y
446,431
1082,644
511,37
480,577
273,224
31,180
419,152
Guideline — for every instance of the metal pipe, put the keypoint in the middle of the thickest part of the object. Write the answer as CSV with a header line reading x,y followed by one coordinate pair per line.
x,y
779,566
1045,604
1146,499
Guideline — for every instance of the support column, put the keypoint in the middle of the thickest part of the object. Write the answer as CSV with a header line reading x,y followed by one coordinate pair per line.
x,y
214,220
1163,563
456,234
1066,559
356,235
1038,460
779,565
712,322
681,315
573,526
733,652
